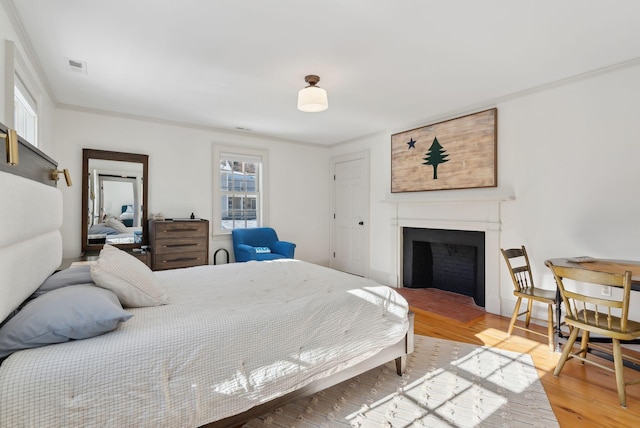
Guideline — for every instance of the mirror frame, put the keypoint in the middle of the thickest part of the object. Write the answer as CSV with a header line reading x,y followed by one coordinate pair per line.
x,y
114,156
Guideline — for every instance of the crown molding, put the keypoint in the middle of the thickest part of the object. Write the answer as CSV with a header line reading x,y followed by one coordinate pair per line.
x,y
188,125
25,44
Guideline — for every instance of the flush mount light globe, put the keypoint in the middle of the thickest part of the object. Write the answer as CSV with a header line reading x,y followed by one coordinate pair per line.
x,y
312,98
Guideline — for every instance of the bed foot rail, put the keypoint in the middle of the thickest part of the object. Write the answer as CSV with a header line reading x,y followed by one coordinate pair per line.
x,y
401,362
401,365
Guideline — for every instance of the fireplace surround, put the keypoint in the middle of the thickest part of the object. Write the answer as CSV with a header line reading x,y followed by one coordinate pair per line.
x,y
451,260
466,209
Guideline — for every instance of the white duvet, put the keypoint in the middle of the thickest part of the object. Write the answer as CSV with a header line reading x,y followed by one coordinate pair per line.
x,y
233,337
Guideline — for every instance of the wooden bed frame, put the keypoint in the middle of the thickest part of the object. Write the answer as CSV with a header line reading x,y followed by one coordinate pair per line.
x,y
37,166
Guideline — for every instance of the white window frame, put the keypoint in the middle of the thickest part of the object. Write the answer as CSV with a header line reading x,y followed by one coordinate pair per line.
x,y
25,112
17,73
240,153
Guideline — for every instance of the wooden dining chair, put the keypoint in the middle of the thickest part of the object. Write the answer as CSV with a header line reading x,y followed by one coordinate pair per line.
x,y
588,311
520,270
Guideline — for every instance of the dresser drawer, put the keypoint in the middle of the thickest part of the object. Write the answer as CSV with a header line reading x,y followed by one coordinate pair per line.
x,y
181,229
180,260
180,245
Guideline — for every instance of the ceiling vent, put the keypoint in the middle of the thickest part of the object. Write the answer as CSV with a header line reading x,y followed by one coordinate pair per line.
x,y
77,66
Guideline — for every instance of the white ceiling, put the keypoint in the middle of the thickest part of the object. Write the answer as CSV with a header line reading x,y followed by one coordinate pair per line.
x,y
385,64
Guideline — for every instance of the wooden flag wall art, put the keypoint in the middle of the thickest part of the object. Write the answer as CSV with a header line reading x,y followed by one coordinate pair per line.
x,y
455,154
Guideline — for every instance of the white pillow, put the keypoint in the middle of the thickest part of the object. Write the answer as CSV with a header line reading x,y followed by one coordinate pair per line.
x,y
116,224
129,278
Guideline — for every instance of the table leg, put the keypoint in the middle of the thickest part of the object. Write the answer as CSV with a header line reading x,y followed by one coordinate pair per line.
x,y
558,334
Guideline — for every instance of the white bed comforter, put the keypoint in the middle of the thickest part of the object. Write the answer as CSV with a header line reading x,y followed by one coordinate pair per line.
x,y
233,337
123,238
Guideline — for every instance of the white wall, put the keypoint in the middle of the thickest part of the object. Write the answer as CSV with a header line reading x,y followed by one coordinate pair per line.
x,y
6,33
181,169
569,154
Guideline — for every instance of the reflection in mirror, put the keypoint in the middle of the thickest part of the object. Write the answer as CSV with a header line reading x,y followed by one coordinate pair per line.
x,y
115,208
115,199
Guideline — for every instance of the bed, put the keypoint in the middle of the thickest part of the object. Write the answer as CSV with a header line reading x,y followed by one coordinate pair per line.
x,y
126,216
224,343
102,233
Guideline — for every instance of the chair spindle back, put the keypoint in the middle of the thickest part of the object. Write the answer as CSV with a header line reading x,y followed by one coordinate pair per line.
x,y
519,268
587,304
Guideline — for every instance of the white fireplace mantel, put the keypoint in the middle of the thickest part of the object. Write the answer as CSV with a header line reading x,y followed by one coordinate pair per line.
x,y
480,226
479,214
451,196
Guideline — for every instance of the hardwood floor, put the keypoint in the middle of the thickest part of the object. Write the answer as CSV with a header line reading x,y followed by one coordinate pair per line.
x,y
435,301
583,395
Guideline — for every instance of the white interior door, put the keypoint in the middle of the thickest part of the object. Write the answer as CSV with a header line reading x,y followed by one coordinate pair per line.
x,y
350,224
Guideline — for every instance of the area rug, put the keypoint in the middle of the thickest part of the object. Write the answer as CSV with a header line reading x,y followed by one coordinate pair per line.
x,y
446,384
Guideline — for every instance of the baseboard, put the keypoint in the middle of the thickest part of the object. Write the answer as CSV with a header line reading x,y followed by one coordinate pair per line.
x,y
385,278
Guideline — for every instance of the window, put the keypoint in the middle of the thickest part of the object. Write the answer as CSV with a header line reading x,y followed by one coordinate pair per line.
x,y
240,186
25,116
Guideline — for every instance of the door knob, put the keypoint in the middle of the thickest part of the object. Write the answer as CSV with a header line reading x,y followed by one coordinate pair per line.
x,y
361,223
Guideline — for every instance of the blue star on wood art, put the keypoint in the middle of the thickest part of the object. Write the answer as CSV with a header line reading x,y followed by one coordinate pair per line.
x,y
412,144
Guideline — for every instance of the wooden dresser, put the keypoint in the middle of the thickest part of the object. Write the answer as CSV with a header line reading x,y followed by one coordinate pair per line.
x,y
178,244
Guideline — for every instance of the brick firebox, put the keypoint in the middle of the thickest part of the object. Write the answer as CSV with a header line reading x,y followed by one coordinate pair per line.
x,y
451,260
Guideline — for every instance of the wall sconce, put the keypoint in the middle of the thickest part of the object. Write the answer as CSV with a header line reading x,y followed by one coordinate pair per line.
x,y
12,146
55,175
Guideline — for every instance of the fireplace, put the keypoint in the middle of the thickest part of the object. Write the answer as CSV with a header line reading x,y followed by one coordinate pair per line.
x,y
451,260
460,210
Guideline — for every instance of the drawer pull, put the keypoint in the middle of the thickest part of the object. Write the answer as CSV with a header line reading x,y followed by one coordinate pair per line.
x,y
179,230
181,245
184,259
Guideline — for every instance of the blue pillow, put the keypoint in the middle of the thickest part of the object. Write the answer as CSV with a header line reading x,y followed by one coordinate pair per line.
x,y
102,229
72,276
68,313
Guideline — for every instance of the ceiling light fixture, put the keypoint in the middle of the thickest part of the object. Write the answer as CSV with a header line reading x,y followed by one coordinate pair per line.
x,y
312,98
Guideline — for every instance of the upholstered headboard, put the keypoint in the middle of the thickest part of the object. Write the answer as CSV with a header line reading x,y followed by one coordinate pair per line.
x,y
30,219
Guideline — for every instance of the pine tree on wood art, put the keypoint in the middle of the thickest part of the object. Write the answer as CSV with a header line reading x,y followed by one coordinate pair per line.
x,y
435,156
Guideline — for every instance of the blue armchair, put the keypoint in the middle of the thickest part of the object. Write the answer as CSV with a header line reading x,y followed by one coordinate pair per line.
x,y
260,244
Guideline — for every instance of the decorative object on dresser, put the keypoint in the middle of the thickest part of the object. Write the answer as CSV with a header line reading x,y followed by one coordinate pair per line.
x,y
178,243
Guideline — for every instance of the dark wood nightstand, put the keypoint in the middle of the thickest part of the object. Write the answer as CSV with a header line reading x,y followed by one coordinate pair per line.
x,y
140,254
